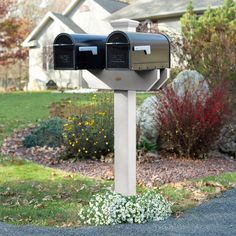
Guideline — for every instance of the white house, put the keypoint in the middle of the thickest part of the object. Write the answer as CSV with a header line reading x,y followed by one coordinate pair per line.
x,y
81,16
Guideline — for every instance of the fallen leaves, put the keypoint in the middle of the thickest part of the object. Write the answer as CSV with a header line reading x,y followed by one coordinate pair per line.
x,y
179,214
69,176
68,224
191,193
39,206
214,184
198,195
47,198
18,218
108,175
40,187
8,193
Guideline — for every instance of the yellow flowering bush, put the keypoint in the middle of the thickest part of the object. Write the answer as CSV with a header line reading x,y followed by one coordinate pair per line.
x,y
88,131
88,136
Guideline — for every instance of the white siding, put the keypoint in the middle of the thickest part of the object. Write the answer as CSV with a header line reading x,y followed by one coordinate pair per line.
x,y
89,16
173,24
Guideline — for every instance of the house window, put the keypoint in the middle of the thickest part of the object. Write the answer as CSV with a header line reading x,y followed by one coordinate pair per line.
x,y
47,58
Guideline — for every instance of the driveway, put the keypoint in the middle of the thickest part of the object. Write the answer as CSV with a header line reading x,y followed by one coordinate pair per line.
x,y
214,218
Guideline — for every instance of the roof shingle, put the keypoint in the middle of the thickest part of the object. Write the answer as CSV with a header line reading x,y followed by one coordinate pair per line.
x,y
111,5
144,9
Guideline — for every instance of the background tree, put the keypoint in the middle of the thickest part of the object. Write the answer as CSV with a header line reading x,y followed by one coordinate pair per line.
x,y
210,41
4,7
34,10
13,32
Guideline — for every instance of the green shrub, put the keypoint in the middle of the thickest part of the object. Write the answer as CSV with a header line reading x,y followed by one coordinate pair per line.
x,y
113,208
88,131
146,146
209,41
88,136
49,133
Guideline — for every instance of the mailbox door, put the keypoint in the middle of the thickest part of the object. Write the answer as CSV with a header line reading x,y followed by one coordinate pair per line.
x,y
64,57
63,53
117,51
118,56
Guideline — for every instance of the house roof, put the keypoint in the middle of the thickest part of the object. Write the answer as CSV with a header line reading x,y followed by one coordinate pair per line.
x,y
47,18
69,23
109,5
148,9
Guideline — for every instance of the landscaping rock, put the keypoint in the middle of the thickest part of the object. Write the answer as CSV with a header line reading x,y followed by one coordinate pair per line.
x,y
191,81
146,123
227,140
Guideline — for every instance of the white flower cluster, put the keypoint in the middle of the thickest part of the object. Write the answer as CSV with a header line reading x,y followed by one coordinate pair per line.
x,y
113,208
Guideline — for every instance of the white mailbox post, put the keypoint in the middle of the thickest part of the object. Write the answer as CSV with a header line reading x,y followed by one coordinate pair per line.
x,y
125,129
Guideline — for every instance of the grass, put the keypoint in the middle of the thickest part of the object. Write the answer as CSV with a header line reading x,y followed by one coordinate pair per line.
x,y
187,194
33,194
17,110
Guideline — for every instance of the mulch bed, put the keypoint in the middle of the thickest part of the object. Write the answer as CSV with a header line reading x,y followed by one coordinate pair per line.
x,y
152,169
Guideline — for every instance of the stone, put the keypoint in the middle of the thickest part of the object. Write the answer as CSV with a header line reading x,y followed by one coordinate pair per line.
x,y
146,123
191,81
227,140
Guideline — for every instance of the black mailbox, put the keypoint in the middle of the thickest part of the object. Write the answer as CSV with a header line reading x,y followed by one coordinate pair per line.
x,y
79,51
137,51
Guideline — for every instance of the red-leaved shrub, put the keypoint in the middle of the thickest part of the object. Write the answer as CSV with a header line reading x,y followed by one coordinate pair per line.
x,y
189,125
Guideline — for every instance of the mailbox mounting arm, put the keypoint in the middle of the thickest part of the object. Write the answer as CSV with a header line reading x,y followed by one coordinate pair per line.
x,y
145,48
92,49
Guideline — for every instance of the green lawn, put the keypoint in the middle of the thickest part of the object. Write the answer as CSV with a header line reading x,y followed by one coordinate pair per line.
x,y
30,193
17,110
